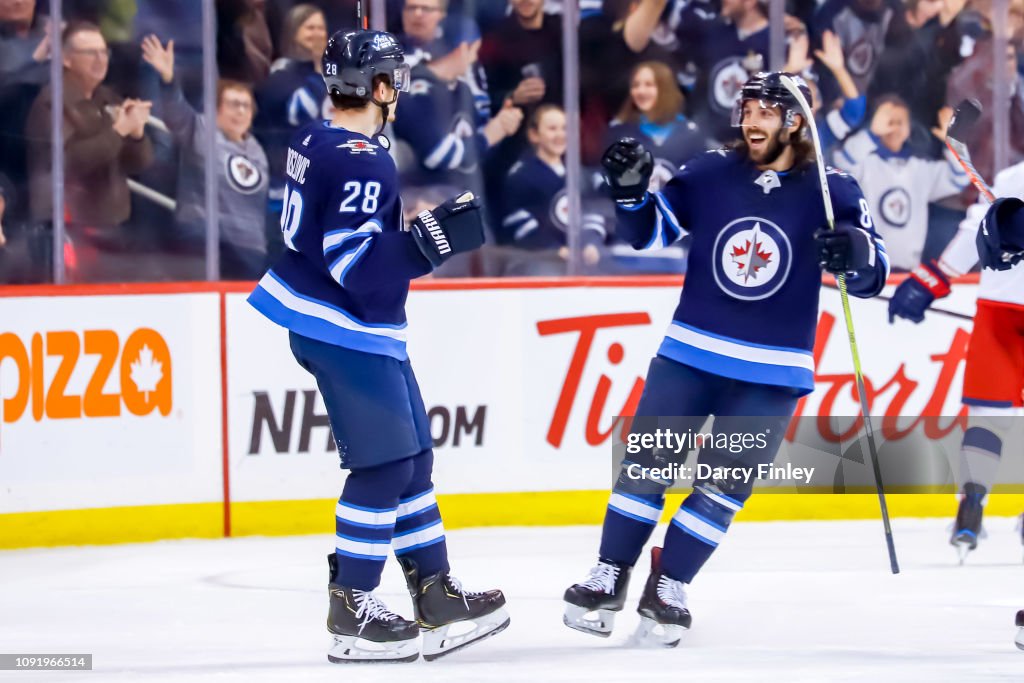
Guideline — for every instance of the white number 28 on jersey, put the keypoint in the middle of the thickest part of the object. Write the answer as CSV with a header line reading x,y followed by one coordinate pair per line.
x,y
360,198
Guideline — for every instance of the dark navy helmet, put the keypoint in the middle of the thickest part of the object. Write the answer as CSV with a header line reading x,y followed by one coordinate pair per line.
x,y
353,58
768,89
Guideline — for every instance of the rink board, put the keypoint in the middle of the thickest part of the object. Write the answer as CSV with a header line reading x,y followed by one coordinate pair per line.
x,y
214,430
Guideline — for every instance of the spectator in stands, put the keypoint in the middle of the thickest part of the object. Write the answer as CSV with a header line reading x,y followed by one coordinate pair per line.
x,y
898,185
244,48
523,56
421,26
611,43
439,120
538,214
24,70
291,97
726,50
653,114
104,142
242,183
834,120
24,43
865,28
974,77
918,68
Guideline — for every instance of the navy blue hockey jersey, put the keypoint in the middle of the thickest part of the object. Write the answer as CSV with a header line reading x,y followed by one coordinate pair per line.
x,y
722,61
441,123
537,208
345,276
749,306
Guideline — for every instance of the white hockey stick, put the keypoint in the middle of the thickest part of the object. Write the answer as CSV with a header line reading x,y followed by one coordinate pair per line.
x,y
806,112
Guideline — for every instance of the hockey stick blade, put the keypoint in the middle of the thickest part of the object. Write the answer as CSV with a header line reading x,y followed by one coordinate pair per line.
x,y
965,116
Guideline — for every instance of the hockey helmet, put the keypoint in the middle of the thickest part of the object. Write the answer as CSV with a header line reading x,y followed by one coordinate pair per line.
x,y
353,58
767,88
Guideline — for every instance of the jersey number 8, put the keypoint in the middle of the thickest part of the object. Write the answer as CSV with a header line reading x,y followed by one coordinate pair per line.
x,y
370,194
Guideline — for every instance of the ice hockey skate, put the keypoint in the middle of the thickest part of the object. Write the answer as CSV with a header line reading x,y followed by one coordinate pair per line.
x,y
1020,630
449,617
663,611
967,527
591,605
365,630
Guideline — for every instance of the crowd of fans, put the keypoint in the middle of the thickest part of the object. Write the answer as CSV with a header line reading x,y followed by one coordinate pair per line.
x,y
483,113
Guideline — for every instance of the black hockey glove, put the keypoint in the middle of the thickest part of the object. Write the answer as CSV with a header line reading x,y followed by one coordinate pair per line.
x,y
844,250
995,240
627,170
453,227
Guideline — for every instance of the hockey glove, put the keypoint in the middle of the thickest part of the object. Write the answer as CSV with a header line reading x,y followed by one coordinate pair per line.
x,y
453,227
627,170
845,249
995,239
915,294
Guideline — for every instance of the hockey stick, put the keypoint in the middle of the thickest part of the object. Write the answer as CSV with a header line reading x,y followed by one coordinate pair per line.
x,y
805,111
964,116
362,20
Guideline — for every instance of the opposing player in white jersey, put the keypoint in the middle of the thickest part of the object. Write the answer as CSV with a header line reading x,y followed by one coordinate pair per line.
x,y
994,372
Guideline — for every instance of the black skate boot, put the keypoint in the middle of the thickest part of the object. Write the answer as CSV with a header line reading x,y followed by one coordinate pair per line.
x,y
590,605
450,617
364,629
663,612
1020,630
967,527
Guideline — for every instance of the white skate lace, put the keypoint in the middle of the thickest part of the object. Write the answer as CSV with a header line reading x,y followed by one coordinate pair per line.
x,y
457,585
602,578
672,593
371,607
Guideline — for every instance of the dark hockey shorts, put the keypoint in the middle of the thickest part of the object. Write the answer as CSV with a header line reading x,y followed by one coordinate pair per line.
x,y
373,402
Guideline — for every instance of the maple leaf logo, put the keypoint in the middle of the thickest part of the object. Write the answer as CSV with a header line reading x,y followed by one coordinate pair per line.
x,y
146,372
750,260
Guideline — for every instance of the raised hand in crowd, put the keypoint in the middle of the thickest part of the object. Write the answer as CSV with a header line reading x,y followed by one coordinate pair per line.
x,y
831,55
529,90
42,51
505,123
798,57
159,57
945,115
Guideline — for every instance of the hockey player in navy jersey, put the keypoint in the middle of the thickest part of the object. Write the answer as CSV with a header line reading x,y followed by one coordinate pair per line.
x,y
340,289
739,347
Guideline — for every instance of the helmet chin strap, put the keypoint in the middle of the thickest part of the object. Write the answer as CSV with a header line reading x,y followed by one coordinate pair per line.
x,y
385,111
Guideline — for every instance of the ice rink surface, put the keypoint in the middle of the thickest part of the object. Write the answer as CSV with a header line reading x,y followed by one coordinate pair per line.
x,y
780,601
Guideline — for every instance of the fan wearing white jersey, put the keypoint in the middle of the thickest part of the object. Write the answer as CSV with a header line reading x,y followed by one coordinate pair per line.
x,y
897,184
994,372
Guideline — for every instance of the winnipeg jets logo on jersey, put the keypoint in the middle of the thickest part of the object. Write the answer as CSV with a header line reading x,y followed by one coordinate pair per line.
x,y
359,146
769,180
560,210
752,257
895,207
243,175
727,78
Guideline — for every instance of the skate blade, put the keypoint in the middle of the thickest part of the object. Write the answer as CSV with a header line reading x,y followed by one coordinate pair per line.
x,y
353,649
600,624
651,634
963,549
440,642
1020,639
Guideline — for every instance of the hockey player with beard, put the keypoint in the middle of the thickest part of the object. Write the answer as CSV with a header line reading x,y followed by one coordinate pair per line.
x,y
340,290
739,347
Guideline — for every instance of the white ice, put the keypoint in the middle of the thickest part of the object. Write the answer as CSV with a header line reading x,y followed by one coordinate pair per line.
x,y
782,601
